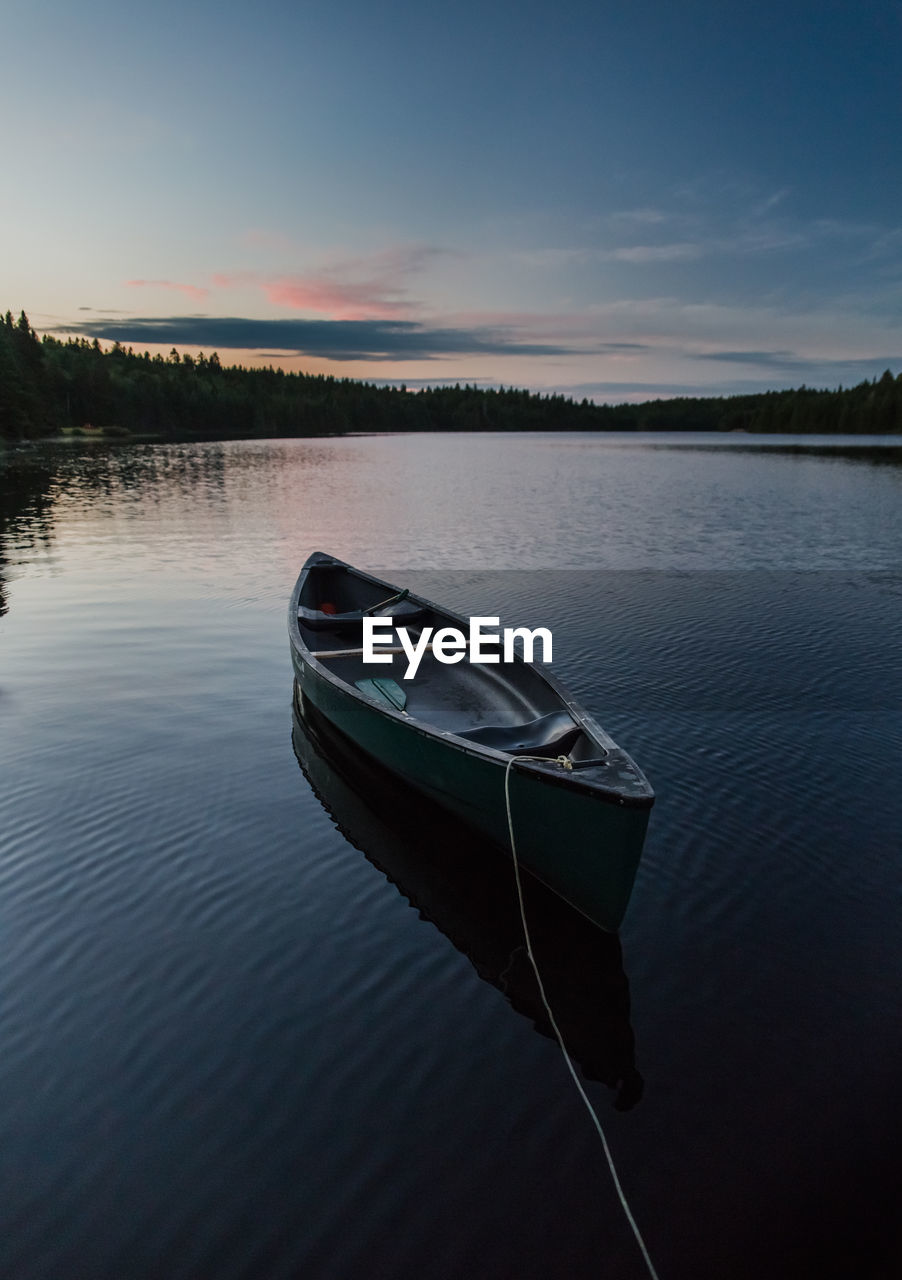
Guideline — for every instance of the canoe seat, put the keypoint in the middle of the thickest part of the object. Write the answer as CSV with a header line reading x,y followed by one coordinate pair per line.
x,y
551,735
388,692
401,613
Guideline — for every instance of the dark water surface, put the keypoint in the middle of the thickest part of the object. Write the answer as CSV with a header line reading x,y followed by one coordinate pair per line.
x,y
231,1047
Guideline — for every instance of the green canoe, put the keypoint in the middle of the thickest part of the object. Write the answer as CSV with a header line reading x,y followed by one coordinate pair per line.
x,y
579,805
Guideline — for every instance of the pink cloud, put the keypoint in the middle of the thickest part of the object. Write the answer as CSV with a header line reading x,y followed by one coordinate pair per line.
x,y
231,279
374,287
378,299
191,290
332,291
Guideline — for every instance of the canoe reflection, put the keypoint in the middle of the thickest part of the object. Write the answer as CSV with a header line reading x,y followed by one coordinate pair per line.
x,y
465,887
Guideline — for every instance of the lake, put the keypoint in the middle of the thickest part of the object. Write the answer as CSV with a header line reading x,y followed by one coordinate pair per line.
x,y
265,1014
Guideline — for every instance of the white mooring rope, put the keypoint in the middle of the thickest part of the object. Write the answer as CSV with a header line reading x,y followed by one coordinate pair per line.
x,y
566,764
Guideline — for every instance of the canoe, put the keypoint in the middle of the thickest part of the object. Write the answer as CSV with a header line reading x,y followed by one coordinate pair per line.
x,y
457,884
495,745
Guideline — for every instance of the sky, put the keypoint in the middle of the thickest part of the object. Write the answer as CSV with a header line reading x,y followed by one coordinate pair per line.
x,y
613,201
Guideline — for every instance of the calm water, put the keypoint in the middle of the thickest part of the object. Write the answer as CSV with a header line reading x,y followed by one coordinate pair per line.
x,y
234,1047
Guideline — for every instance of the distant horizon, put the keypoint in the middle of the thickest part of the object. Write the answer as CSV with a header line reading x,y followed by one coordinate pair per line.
x,y
53,386
627,394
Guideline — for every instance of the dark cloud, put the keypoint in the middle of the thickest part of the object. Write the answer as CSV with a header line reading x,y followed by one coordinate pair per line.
x,y
616,392
811,371
417,384
826,377
769,359
327,339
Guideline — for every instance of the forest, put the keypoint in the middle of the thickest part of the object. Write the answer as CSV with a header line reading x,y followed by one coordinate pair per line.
x,y
50,388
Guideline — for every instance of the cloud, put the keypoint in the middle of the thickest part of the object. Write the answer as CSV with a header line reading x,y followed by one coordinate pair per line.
x,y
341,300
556,259
825,377
190,290
611,392
418,384
763,206
642,217
685,251
740,227
373,287
328,339
825,371
767,359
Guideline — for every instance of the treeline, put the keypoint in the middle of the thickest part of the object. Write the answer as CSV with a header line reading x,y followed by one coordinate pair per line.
x,y
870,408
48,387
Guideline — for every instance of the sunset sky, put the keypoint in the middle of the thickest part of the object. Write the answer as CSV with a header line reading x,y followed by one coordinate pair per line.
x,y
612,200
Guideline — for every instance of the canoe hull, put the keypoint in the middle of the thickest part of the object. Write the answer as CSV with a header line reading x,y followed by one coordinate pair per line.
x,y
585,846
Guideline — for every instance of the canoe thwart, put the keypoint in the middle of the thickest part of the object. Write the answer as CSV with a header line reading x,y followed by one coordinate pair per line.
x,y
397,607
360,651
